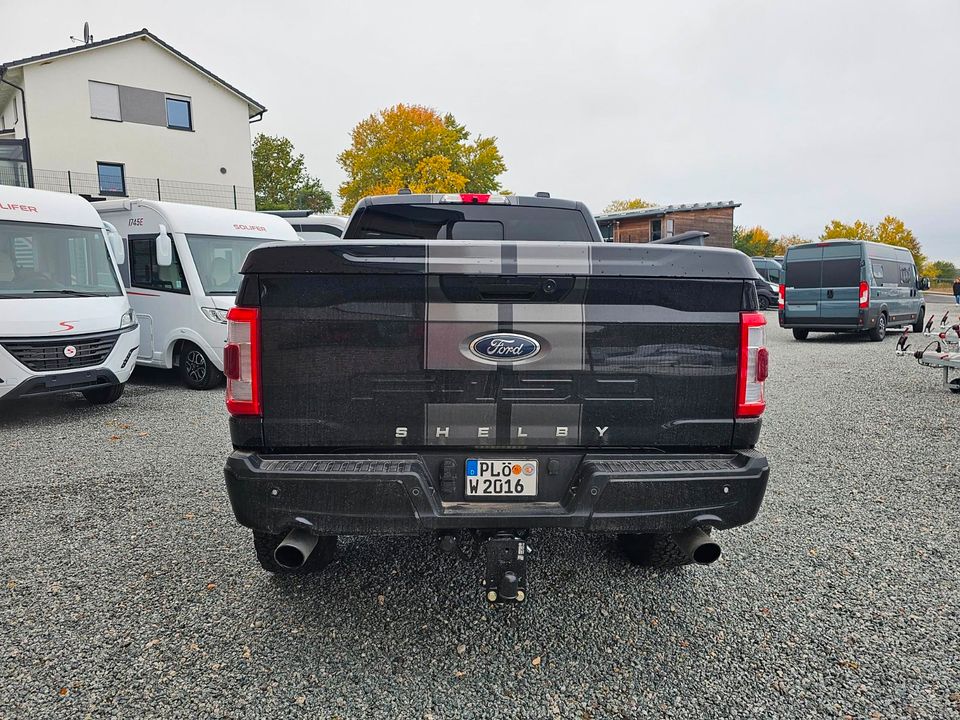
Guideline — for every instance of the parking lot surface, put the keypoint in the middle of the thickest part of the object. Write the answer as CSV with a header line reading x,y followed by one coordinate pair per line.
x,y
130,591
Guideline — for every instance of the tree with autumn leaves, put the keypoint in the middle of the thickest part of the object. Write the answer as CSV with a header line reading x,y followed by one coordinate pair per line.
x,y
890,231
415,147
624,205
756,241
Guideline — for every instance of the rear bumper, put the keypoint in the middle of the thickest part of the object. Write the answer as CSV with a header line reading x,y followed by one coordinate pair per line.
x,y
864,320
383,494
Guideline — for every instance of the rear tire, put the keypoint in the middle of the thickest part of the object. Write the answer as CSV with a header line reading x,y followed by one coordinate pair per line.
x,y
764,302
196,370
266,543
918,324
104,395
878,332
653,551
799,334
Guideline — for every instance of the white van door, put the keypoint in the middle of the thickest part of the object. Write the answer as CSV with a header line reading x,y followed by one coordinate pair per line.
x,y
159,295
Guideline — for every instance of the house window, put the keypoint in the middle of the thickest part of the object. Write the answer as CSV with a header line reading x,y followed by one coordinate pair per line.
x,y
111,179
104,101
669,228
178,114
655,230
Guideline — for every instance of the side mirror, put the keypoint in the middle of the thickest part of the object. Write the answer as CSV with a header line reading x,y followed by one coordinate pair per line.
x,y
115,240
923,283
164,248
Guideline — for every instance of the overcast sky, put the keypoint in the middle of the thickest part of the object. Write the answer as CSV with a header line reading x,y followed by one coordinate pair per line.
x,y
802,111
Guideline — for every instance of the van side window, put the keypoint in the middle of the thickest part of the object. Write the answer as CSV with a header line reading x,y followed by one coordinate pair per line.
x,y
146,273
877,268
907,278
773,274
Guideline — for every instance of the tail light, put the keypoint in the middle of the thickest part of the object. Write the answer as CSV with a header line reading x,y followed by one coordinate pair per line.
x,y
782,296
864,296
754,363
241,361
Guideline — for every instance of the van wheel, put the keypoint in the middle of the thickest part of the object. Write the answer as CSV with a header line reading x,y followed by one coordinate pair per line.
x,y
799,334
879,332
764,302
266,543
651,550
104,395
918,324
196,370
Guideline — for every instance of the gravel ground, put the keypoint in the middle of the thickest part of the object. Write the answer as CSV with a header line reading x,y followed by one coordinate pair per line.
x,y
129,590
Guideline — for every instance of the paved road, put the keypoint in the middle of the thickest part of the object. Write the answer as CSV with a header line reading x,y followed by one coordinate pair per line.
x,y
129,591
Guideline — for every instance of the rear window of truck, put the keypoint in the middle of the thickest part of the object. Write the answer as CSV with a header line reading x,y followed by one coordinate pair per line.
x,y
469,222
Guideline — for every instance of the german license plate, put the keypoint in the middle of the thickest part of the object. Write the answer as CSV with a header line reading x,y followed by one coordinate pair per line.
x,y
501,478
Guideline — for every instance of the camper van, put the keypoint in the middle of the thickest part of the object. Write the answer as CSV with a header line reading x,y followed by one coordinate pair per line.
x,y
850,286
181,271
65,323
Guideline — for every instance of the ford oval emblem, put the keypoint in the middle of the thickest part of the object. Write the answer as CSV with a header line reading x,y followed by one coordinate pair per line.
x,y
504,347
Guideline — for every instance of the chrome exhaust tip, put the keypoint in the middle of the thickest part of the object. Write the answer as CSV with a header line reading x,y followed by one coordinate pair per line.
x,y
698,546
295,549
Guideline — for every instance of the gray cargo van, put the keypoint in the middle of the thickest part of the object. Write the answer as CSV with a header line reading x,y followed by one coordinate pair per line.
x,y
850,286
769,269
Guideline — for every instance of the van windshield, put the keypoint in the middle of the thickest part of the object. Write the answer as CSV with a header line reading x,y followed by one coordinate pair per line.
x,y
219,258
41,260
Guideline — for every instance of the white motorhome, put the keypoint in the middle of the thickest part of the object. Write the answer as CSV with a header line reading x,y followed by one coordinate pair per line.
x,y
182,272
65,323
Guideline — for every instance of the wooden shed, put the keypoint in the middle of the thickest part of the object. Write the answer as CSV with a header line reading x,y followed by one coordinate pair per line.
x,y
646,224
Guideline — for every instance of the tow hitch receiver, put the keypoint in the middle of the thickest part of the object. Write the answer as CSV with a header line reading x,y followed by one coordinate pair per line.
x,y
505,577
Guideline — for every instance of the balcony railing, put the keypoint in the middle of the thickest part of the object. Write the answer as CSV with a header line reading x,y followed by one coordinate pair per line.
x,y
179,191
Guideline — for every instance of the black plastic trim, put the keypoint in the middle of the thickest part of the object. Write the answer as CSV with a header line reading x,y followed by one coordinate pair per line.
x,y
384,494
62,383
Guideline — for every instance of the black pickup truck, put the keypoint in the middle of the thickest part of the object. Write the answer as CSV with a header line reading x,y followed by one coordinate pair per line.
x,y
481,366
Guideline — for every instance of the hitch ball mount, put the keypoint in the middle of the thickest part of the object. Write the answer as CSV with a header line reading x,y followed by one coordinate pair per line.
x,y
505,576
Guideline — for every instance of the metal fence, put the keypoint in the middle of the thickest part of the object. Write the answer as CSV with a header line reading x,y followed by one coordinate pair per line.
x,y
191,193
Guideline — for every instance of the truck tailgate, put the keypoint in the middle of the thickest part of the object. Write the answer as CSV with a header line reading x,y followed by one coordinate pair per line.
x,y
394,344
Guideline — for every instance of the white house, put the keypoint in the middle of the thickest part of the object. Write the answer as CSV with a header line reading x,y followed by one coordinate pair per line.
x,y
126,116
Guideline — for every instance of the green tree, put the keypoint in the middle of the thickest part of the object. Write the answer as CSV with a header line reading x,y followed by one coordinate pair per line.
x,y
280,178
634,204
415,147
941,270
